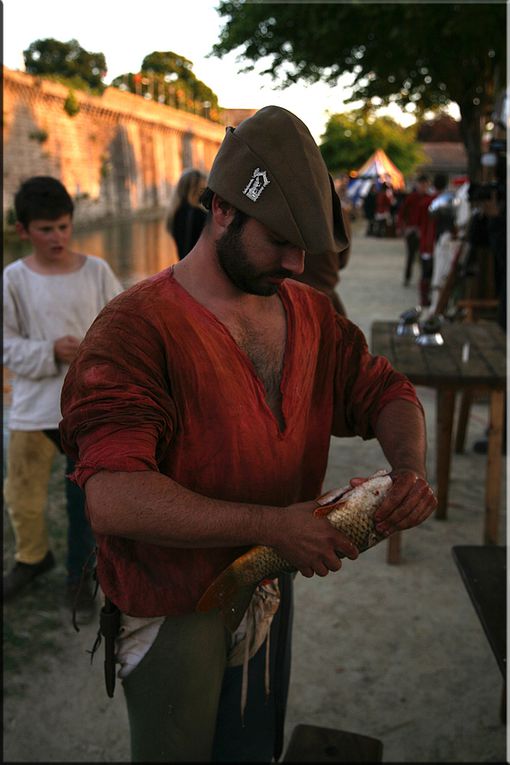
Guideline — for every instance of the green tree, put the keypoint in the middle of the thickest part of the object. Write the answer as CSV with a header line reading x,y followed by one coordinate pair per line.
x,y
424,54
168,77
351,137
168,62
66,61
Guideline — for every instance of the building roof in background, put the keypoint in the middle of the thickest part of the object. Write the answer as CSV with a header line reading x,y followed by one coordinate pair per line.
x,y
444,156
442,128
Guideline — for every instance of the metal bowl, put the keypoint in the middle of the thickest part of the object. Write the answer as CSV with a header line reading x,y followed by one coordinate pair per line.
x,y
405,329
435,338
408,322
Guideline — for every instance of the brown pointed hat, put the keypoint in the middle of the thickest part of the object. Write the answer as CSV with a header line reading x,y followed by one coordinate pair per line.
x,y
270,168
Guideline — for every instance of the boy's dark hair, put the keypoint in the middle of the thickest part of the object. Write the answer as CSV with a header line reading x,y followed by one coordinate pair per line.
x,y
42,197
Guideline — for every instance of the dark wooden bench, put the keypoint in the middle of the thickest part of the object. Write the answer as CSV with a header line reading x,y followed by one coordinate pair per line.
x,y
483,571
311,743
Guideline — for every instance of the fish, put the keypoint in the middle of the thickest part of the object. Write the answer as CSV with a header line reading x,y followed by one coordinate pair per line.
x,y
350,510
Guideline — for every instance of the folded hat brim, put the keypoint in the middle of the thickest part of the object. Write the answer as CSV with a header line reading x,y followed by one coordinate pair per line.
x,y
271,169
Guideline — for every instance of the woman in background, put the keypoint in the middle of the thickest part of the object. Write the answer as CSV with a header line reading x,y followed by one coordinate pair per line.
x,y
186,216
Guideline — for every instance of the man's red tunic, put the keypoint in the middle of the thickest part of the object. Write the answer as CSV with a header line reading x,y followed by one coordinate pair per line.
x,y
160,384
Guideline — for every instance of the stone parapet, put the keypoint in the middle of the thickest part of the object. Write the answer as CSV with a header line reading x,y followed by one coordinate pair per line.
x,y
118,154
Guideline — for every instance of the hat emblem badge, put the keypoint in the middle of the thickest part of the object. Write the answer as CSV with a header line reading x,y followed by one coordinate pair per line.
x,y
256,184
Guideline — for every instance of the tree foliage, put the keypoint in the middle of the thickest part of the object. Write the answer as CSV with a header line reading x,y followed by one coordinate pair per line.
x,y
169,78
168,62
66,61
351,137
409,53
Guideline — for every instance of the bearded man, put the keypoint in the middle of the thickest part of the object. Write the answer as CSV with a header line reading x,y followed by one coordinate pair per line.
x,y
199,412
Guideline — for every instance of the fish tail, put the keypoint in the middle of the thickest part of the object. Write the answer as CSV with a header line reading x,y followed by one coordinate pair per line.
x,y
229,596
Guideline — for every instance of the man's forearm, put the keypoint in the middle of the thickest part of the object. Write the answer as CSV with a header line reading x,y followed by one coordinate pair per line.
x,y
152,508
400,429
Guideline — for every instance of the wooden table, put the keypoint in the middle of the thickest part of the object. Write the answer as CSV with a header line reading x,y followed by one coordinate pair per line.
x,y
444,368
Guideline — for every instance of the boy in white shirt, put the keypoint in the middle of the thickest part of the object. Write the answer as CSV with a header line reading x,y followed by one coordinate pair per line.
x,y
50,299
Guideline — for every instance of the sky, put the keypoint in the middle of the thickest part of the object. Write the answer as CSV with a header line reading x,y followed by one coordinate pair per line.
x,y
128,30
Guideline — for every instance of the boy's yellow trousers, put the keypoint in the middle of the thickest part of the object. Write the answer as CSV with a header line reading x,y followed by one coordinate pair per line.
x,y
29,460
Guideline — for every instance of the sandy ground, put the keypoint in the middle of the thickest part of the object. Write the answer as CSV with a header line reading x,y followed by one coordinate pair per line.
x,y
393,652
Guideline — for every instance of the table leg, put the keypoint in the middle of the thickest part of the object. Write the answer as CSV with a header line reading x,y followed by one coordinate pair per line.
x,y
393,552
462,422
444,414
494,464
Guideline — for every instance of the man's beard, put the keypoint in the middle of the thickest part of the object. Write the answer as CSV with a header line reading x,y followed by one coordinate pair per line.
x,y
233,259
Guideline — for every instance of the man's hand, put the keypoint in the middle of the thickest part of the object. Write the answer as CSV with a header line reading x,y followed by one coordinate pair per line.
x,y
409,502
308,542
66,348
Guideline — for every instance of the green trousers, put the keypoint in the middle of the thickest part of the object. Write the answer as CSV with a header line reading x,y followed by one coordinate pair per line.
x,y
184,703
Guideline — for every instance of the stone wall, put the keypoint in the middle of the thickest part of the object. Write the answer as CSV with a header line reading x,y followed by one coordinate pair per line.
x,y
119,155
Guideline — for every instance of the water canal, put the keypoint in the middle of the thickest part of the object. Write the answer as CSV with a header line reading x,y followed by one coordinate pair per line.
x,y
134,248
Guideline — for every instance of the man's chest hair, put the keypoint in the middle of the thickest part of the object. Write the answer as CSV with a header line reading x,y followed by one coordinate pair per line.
x,y
263,342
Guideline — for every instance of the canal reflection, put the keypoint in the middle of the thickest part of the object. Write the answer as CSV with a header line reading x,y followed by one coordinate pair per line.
x,y
134,249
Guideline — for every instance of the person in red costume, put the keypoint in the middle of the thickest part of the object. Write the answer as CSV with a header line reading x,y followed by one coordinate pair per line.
x,y
427,226
199,412
409,221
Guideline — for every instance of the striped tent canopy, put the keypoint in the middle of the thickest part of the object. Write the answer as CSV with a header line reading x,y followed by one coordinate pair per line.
x,y
377,169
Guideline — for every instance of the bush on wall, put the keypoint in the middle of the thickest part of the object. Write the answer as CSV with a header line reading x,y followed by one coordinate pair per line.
x,y
71,105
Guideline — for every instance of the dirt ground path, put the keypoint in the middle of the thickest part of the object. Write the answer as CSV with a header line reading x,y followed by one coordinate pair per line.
x,y
393,652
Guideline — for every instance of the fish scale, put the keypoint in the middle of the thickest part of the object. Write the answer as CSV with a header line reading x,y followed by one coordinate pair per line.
x,y
352,512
